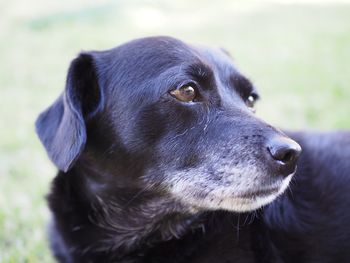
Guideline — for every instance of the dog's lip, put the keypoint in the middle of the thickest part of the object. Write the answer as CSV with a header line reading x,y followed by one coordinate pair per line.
x,y
258,193
263,192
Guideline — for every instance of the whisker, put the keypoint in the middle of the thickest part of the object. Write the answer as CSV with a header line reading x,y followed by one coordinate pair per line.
x,y
253,215
245,220
237,228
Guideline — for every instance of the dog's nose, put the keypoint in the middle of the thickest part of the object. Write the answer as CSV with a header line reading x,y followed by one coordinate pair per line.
x,y
285,153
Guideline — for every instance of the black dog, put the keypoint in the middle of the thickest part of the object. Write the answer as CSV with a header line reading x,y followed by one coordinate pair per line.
x,y
156,140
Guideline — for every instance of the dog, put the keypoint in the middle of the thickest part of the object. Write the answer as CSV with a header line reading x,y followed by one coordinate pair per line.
x,y
161,157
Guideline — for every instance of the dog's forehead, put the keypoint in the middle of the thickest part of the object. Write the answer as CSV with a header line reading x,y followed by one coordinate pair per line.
x,y
217,57
152,65
171,51
166,49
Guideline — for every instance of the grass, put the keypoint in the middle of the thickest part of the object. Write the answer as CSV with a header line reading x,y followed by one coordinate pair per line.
x,y
297,54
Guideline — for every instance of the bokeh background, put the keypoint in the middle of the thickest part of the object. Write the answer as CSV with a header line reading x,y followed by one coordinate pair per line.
x,y
296,52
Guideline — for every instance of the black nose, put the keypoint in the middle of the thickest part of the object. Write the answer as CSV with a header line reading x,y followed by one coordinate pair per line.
x,y
285,153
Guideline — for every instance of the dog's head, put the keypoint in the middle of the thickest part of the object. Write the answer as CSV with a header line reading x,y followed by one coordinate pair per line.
x,y
173,119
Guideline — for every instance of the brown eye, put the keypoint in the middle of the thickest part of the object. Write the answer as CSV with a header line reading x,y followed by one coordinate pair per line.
x,y
185,93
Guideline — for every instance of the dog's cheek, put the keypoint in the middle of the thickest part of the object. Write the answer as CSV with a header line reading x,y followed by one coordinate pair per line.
x,y
163,119
150,127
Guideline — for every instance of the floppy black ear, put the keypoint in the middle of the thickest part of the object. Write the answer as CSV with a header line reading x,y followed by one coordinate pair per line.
x,y
61,127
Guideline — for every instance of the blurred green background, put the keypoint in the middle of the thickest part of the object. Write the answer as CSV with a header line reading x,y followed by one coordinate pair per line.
x,y
296,52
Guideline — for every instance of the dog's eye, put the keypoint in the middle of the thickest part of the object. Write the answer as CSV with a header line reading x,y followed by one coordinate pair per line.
x,y
252,98
185,93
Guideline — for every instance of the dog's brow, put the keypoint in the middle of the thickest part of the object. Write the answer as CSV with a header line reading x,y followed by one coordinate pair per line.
x,y
199,69
202,73
242,85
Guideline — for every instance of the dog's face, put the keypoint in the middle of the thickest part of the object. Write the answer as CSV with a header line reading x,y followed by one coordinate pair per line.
x,y
172,119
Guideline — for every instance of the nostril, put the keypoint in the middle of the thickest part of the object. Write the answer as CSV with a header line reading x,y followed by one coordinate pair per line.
x,y
283,155
289,156
284,150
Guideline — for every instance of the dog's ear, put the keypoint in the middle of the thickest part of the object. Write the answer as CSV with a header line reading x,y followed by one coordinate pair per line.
x,y
61,127
226,52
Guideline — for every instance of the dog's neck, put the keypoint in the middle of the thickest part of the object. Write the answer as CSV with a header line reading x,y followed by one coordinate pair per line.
x,y
129,219
131,225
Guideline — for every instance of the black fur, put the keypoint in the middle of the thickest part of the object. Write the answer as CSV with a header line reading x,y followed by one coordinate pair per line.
x,y
147,178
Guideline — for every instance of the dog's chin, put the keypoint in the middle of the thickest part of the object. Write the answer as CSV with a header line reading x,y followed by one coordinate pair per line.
x,y
255,200
247,201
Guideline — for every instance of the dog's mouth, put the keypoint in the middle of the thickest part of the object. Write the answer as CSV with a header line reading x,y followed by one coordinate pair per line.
x,y
259,193
275,189
229,196
252,199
